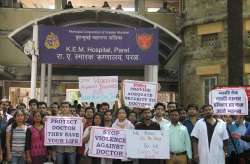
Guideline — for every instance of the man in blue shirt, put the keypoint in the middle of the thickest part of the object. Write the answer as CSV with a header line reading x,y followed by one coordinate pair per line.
x,y
192,111
237,130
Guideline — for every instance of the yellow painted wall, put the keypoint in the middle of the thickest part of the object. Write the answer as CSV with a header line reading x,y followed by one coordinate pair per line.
x,y
210,28
247,25
247,68
208,70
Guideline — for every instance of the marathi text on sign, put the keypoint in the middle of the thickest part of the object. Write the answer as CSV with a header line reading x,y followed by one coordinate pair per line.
x,y
229,101
94,46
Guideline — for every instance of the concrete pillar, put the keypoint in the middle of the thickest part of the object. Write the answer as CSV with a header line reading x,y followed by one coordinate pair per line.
x,y
49,84
141,7
59,4
151,73
34,62
136,5
42,82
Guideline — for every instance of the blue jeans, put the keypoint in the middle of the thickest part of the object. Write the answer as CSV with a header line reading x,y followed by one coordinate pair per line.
x,y
17,160
69,157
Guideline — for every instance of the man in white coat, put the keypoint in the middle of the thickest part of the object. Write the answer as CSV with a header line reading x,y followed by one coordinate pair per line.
x,y
209,138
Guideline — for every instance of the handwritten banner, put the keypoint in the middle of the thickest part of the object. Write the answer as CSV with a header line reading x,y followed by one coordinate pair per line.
x,y
247,89
98,46
140,94
98,89
147,144
108,143
229,101
63,131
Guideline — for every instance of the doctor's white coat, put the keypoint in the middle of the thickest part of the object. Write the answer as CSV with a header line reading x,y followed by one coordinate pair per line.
x,y
214,154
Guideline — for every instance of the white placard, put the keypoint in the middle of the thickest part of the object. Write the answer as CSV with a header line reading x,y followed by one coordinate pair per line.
x,y
98,89
229,101
107,143
140,94
63,131
148,144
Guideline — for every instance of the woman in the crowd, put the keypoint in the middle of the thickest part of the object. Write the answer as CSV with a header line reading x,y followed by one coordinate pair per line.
x,y
122,123
36,152
97,121
15,138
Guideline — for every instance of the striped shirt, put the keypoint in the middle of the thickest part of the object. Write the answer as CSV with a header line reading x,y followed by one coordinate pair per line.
x,y
18,140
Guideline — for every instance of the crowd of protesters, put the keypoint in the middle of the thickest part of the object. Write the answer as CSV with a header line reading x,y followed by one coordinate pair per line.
x,y
196,135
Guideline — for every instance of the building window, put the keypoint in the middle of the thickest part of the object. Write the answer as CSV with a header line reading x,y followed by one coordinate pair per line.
x,y
209,40
209,84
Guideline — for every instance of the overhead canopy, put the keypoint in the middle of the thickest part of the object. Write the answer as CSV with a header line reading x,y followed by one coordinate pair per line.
x,y
99,17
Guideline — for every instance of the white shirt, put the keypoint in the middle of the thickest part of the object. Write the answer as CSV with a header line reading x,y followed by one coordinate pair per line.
x,y
214,154
163,122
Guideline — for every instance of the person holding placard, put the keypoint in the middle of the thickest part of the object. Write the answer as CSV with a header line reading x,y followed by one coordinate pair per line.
x,y
210,138
107,120
89,114
65,152
179,139
147,124
122,123
97,121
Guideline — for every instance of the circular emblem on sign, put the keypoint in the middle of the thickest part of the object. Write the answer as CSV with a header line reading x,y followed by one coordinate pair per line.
x,y
144,40
52,41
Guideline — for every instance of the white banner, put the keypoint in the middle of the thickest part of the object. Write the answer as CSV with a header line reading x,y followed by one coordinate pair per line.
x,y
98,89
140,94
63,131
107,143
229,101
147,144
